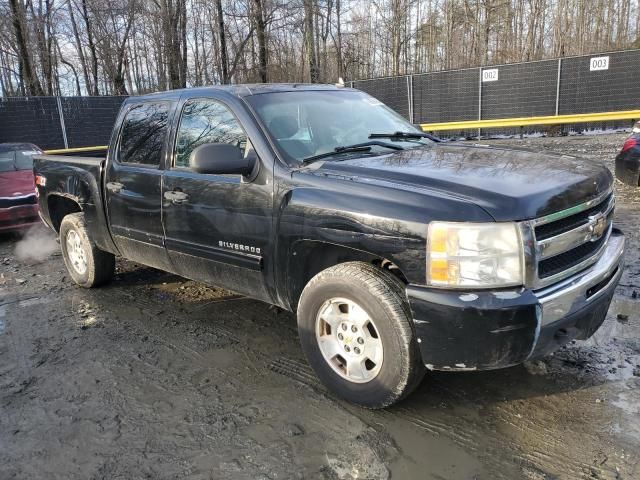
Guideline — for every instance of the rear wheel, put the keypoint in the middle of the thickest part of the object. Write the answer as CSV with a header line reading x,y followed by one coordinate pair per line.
x,y
86,263
356,330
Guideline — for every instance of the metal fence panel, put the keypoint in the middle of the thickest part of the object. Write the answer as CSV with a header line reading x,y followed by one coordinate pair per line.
x,y
527,89
89,120
586,91
32,120
522,90
392,91
446,96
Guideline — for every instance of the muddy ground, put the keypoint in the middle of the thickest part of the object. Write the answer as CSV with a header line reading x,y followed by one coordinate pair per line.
x,y
157,377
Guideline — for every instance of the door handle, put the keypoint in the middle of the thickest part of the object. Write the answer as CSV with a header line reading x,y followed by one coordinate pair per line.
x,y
114,187
176,197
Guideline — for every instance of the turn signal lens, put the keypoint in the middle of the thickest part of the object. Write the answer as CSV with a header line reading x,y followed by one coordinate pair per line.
x,y
629,144
40,181
479,255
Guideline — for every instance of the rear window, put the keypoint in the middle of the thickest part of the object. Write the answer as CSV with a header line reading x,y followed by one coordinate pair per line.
x,y
143,135
17,157
24,159
6,162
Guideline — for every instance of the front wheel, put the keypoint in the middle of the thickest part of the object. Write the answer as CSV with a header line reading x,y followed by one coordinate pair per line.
x,y
356,330
87,264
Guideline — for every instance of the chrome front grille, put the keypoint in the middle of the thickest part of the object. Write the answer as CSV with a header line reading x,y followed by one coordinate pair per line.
x,y
559,263
562,244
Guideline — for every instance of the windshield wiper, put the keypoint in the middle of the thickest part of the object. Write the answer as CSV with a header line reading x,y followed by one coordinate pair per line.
x,y
406,135
359,147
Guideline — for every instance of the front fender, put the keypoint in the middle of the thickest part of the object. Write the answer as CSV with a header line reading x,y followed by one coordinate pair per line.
x,y
316,230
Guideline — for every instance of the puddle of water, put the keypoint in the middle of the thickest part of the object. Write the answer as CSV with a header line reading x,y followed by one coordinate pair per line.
x,y
627,306
623,322
629,402
29,302
444,458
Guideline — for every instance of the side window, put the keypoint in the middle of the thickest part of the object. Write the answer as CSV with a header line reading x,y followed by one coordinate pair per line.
x,y
24,158
206,121
7,163
144,131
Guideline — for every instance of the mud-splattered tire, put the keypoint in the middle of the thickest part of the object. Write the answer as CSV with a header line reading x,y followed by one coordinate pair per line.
x,y
343,292
87,264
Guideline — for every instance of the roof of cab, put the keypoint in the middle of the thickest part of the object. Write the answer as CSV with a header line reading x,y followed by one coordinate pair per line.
x,y
241,90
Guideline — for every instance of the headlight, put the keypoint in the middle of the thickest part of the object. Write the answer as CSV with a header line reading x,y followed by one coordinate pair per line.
x,y
636,128
481,255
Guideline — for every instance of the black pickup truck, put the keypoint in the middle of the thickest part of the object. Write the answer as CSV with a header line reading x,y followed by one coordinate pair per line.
x,y
399,253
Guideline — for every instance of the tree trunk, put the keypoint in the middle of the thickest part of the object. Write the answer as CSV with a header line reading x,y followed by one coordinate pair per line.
x,y
31,82
79,49
309,34
92,50
262,39
183,40
340,60
224,59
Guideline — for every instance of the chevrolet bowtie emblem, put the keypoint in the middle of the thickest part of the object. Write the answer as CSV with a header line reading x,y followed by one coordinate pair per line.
x,y
597,226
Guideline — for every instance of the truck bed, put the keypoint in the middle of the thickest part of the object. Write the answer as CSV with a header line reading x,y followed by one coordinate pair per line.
x,y
68,180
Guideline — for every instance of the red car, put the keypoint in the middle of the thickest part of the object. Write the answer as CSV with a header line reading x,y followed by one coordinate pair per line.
x,y
628,160
18,203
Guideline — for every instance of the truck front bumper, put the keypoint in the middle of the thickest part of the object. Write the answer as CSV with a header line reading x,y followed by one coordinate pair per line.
x,y
483,330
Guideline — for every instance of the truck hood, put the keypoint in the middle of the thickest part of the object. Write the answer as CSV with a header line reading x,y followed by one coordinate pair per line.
x,y
16,183
510,184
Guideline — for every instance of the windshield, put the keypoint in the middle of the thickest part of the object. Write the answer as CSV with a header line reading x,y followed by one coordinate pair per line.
x,y
18,157
309,123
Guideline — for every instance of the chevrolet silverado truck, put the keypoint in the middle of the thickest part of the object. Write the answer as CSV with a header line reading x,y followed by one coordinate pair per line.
x,y
398,253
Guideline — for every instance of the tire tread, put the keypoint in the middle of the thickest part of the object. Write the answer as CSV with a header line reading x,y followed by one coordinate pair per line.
x,y
391,292
102,266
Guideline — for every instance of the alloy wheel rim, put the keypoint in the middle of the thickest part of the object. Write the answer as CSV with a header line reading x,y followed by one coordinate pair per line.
x,y
349,340
75,252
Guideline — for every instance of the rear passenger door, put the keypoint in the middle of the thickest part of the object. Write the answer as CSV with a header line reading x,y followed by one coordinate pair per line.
x,y
134,184
219,229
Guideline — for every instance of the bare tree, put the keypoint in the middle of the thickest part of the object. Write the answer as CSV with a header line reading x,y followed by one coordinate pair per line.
x,y
310,40
224,60
25,62
258,15
174,26
134,46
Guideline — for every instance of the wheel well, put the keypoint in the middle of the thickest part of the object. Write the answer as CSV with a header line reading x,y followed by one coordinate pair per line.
x,y
60,207
388,265
320,256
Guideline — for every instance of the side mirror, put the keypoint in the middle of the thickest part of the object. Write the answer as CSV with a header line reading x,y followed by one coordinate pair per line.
x,y
220,159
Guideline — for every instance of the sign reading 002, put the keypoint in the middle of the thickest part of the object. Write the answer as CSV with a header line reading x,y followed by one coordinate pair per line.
x,y
490,75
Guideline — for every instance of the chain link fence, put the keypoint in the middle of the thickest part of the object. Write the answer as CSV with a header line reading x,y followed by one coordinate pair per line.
x,y
58,122
573,85
587,84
